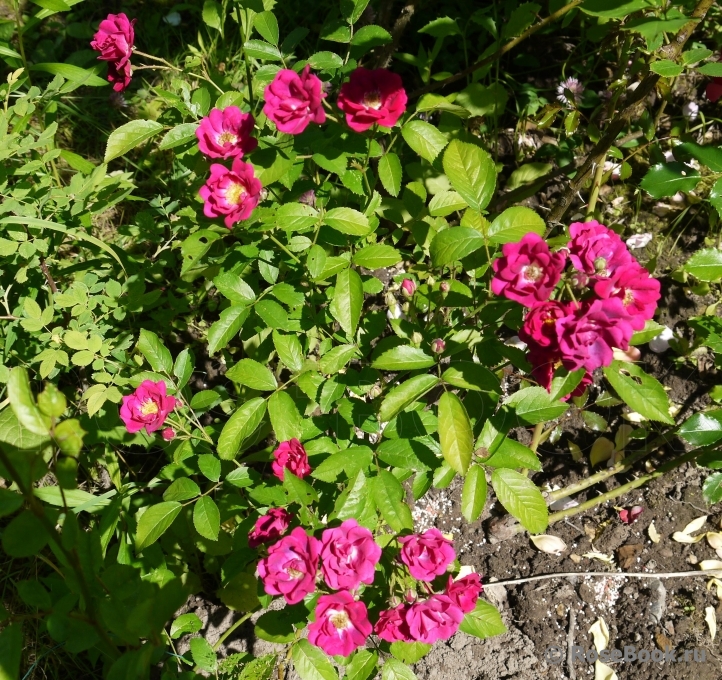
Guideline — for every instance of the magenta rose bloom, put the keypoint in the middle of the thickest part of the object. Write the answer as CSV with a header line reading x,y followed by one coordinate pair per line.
x,y
231,194
372,97
528,271
349,556
437,618
637,290
291,565
226,133
114,40
392,625
269,527
540,324
147,407
294,100
427,555
292,456
544,361
596,250
588,334
465,592
342,624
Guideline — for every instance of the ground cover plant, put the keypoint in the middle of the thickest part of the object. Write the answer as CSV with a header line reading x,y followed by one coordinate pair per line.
x,y
273,273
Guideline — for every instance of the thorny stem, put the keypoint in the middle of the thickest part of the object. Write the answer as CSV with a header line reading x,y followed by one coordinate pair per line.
x,y
596,185
606,574
500,52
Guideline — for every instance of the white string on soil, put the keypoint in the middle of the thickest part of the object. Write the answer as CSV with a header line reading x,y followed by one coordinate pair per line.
x,y
709,573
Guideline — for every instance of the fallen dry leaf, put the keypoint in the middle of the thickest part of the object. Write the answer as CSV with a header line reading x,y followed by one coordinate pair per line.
x,y
600,632
653,533
717,584
710,618
549,544
695,525
594,555
681,537
575,558
627,554
714,539
602,450
663,642
711,565
575,451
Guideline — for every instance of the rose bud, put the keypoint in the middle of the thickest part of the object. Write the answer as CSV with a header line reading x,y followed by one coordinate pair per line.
x,y
438,346
408,287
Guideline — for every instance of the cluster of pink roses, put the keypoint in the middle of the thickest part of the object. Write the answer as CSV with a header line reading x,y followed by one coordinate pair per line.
x,y
114,40
347,556
148,407
615,296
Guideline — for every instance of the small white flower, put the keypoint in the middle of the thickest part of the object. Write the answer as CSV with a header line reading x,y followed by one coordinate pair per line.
x,y
690,111
570,85
526,141
614,168
669,157
515,341
172,18
660,344
638,240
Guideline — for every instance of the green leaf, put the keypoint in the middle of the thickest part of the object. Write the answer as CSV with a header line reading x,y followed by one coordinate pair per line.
x,y
437,102
455,433
389,496
260,49
702,429
204,400
666,68
695,55
334,360
128,136
520,496
403,358
289,350
521,18
325,61
267,25
24,536
641,392
155,352
705,264
183,367
526,174
11,651
393,669
712,69
195,247
666,179
296,216
513,224
566,383
653,29
271,313
242,424
347,221
298,490
535,405
368,37
454,244
511,454
470,376
347,301
203,655
441,27
708,155
226,328
74,74
184,624
485,621
10,501
473,495
480,100
616,9
362,665
651,330
471,172
207,518
378,256
210,466
390,173
410,652
405,394
285,418
311,663
23,403
252,374
212,15
712,488
180,134
182,489
276,626
424,139
445,203
154,522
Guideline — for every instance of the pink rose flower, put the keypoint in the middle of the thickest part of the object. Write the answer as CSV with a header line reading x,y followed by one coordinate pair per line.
x,y
596,250
294,100
372,97
629,516
114,40
168,434
147,407
392,625
226,133
427,555
528,271
349,556
232,194
540,324
341,626
464,592
269,527
544,361
588,334
408,287
291,565
292,456
437,618
637,290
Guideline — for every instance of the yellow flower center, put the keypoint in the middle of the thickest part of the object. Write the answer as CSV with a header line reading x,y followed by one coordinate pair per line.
x,y
227,138
373,100
339,620
294,573
234,193
149,407
533,272
628,297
